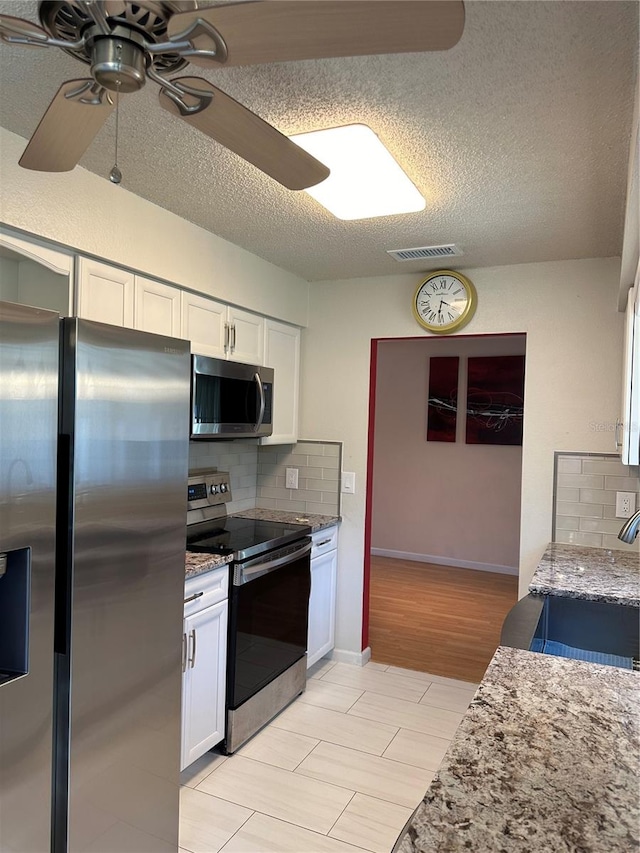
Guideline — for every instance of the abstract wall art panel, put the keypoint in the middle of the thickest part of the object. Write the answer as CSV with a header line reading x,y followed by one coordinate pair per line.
x,y
443,398
495,399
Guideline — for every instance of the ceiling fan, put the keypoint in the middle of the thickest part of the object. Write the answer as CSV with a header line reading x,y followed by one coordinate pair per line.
x,y
126,43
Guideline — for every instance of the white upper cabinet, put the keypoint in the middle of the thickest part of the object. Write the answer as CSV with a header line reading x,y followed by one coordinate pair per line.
x,y
221,331
246,336
31,274
628,428
282,352
105,293
157,307
204,324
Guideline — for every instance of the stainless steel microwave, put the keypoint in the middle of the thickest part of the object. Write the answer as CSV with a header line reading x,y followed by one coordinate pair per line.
x,y
229,399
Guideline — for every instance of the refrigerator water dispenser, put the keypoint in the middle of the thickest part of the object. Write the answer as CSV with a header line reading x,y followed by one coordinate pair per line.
x,y
15,574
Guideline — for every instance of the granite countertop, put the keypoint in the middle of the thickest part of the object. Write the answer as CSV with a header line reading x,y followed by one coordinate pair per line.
x,y
198,564
595,574
315,521
546,759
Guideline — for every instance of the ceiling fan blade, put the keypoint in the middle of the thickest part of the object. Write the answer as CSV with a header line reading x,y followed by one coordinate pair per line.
x,y
72,120
25,33
249,136
283,30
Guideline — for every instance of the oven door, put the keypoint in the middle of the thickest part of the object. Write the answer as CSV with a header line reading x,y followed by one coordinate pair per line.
x,y
230,400
268,614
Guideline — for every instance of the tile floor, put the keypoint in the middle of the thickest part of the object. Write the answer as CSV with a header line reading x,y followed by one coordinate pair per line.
x,y
339,771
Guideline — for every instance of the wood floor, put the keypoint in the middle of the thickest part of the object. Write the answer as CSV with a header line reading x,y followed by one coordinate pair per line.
x,y
437,619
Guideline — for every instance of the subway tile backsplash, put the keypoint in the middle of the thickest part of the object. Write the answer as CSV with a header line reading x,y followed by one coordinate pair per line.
x,y
239,458
257,473
319,464
585,499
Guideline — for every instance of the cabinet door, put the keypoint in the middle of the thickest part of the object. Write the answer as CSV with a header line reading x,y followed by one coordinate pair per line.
x,y
247,336
203,681
203,323
157,307
105,293
282,352
628,427
322,606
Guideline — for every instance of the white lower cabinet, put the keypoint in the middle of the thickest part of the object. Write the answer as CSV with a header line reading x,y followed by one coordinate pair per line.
x,y
322,601
204,660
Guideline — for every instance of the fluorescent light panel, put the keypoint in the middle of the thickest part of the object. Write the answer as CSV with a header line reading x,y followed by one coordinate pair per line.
x,y
365,180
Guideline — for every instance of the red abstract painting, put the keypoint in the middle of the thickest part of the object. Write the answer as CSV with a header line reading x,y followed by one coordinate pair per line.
x,y
443,398
495,399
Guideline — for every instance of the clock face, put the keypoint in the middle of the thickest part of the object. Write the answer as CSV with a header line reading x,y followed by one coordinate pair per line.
x,y
444,301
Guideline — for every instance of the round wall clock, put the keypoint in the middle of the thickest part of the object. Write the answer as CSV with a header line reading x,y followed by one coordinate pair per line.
x,y
444,302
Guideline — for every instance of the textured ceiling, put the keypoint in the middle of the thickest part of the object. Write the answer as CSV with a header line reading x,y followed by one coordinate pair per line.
x,y
518,138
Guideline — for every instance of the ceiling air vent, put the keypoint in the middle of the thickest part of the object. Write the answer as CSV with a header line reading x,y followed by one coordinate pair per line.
x,y
422,252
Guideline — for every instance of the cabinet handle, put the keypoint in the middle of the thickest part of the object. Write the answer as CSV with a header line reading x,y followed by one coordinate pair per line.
x,y
192,659
226,336
193,597
618,425
324,542
184,652
233,337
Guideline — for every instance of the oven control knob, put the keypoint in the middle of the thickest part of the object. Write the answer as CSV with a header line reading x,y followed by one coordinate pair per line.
x,y
214,490
223,488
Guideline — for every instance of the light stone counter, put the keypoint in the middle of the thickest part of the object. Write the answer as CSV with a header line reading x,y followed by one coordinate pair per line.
x,y
546,760
198,564
316,522
594,574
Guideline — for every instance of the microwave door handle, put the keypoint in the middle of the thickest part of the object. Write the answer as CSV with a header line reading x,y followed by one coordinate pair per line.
x,y
262,402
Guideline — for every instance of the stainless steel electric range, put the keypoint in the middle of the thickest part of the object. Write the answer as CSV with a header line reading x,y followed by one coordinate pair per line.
x,y
270,582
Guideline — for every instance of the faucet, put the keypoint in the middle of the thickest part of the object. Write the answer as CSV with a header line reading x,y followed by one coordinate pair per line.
x,y
629,530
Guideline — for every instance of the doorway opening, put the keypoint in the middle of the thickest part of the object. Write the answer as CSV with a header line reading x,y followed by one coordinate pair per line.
x,y
442,527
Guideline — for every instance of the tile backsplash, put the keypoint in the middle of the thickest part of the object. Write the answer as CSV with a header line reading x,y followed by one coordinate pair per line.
x,y
239,458
585,489
257,473
319,464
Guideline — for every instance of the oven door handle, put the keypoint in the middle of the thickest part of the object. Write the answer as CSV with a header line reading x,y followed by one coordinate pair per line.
x,y
258,380
246,575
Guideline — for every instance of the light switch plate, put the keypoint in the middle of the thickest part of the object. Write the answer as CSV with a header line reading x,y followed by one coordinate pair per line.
x,y
349,482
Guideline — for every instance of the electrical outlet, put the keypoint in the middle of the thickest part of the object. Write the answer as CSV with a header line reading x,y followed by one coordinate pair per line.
x,y
291,478
349,482
625,504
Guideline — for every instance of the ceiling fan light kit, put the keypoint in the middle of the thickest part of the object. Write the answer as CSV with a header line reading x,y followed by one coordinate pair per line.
x,y
126,43
365,180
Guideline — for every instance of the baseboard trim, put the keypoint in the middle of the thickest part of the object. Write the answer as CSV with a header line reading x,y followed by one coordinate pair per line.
x,y
444,561
345,656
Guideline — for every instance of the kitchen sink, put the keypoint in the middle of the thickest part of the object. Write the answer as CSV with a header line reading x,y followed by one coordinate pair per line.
x,y
571,627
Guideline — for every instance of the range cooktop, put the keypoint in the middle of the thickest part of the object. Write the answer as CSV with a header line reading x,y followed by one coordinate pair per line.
x,y
242,537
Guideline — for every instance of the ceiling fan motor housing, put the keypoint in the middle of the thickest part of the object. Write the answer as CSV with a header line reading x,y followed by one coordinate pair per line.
x,y
117,62
131,23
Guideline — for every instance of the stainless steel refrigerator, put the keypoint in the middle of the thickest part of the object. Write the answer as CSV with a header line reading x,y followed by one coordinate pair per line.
x,y
94,426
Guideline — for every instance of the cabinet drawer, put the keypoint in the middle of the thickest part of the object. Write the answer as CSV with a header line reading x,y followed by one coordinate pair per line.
x,y
206,589
323,541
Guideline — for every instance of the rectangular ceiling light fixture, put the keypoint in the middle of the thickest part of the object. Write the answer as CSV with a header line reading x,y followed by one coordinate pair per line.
x,y
365,180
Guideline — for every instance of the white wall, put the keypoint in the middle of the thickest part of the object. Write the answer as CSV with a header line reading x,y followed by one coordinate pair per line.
x,y
573,377
89,213
441,502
